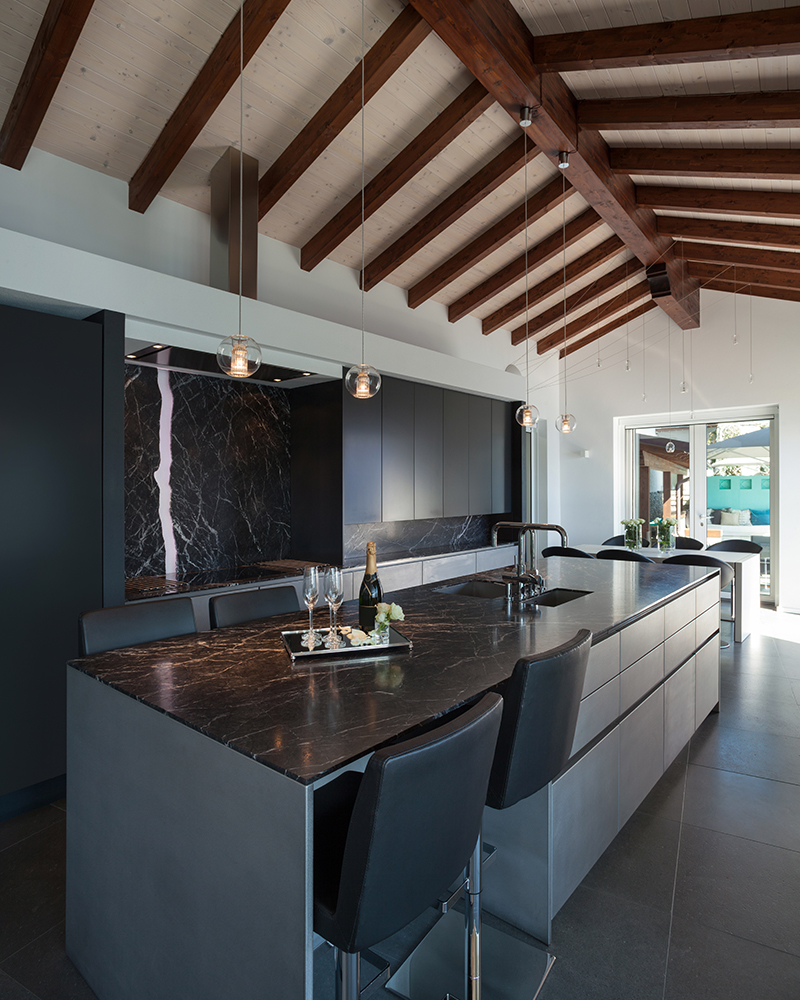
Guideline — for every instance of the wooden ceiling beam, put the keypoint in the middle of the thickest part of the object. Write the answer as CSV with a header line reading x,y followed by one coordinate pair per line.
x,y
455,119
779,109
472,192
719,253
762,276
537,255
780,164
759,233
593,258
615,324
208,89
578,326
52,48
383,59
578,300
769,204
491,239
493,42
761,34
719,285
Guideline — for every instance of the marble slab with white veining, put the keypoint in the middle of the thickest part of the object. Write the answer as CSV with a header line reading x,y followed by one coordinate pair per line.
x,y
238,686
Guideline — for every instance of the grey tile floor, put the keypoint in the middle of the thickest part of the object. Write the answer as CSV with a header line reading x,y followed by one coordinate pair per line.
x,y
698,898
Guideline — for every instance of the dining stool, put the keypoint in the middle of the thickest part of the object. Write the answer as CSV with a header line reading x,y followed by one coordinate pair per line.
x,y
541,700
624,555
565,550
388,842
249,605
131,624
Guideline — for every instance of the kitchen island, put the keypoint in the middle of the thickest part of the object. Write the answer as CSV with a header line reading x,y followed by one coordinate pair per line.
x,y
192,764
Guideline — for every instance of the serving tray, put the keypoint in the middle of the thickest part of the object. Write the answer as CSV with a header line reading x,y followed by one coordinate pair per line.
x,y
298,651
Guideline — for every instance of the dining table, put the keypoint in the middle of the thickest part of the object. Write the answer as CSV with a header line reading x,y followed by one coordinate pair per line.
x,y
746,590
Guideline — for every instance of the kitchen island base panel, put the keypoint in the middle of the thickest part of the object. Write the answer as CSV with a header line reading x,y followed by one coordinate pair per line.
x,y
176,841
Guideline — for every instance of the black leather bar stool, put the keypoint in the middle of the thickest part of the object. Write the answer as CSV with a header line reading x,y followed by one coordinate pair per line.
x,y
248,605
565,550
541,699
687,542
620,540
131,624
625,555
388,842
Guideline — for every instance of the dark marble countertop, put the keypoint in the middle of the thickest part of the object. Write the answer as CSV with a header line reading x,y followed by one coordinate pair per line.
x,y
138,588
238,686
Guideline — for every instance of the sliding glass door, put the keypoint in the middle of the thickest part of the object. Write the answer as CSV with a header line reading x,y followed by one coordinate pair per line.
x,y
713,477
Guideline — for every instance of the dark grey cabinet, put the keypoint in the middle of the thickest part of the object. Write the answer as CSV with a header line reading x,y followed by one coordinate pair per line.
x,y
480,455
361,458
428,451
455,427
397,398
501,457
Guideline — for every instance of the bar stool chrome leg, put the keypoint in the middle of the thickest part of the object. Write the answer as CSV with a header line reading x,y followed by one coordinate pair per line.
x,y
348,974
472,936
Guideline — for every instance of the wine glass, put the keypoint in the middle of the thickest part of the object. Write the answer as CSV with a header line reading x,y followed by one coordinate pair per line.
x,y
310,595
333,595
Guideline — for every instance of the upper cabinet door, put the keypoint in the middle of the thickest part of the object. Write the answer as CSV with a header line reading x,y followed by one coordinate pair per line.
x,y
397,398
480,455
361,447
456,453
501,457
428,452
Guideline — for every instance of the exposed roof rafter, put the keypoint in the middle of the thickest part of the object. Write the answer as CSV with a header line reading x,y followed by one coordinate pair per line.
x,y
780,164
55,41
778,109
769,204
763,233
622,301
611,327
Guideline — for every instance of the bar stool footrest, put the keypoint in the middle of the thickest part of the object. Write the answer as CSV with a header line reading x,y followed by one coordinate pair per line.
x,y
449,899
512,969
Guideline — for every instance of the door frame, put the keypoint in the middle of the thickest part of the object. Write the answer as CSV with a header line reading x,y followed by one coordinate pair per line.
x,y
626,466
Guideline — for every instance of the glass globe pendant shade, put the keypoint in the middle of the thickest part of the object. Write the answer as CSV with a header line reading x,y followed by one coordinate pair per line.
x,y
362,381
239,356
669,448
566,423
527,416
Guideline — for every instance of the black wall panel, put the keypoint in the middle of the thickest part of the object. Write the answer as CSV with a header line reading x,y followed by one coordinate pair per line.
x,y
428,452
397,436
62,547
456,453
361,457
480,455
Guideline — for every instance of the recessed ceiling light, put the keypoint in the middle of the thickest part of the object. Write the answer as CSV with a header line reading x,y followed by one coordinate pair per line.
x,y
305,373
158,347
130,355
276,380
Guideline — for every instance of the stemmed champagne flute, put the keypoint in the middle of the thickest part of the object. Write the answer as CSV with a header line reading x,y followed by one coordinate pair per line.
x,y
310,595
333,595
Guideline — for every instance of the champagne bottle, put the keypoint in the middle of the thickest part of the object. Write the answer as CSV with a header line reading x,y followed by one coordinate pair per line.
x,y
370,593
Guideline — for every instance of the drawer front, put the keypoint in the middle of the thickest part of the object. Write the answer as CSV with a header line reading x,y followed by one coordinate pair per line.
x,y
679,647
503,555
679,613
641,753
585,814
706,624
706,661
641,677
603,664
706,595
679,711
642,636
397,577
434,570
596,712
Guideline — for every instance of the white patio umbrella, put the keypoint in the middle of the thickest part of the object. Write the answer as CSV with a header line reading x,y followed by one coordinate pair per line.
x,y
749,448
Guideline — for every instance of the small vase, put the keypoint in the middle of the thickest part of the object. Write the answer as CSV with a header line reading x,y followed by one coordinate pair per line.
x,y
633,536
665,537
382,636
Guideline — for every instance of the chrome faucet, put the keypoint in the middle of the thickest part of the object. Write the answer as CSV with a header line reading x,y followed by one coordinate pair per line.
x,y
526,582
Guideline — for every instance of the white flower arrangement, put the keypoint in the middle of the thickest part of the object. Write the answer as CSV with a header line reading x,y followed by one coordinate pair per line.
x,y
384,615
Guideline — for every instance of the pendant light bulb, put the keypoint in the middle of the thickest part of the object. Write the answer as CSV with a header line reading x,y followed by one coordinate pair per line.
x,y
362,382
239,356
527,416
566,423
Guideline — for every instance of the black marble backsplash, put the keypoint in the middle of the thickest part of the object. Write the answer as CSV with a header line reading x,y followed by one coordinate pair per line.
x,y
409,539
209,487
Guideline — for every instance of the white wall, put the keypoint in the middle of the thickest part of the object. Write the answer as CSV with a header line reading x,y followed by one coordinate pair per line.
x,y
70,244
718,373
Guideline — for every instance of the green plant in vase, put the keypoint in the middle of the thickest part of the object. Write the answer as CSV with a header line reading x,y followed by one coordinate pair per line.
x,y
633,532
665,531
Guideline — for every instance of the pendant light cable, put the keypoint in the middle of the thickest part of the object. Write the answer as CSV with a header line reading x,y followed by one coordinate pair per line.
x,y
527,416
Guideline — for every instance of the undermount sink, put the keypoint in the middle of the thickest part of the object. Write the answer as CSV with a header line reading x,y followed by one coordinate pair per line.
x,y
475,588
557,596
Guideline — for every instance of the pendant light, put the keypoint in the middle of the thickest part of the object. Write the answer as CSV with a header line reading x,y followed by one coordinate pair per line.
x,y
240,356
527,415
566,422
362,381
